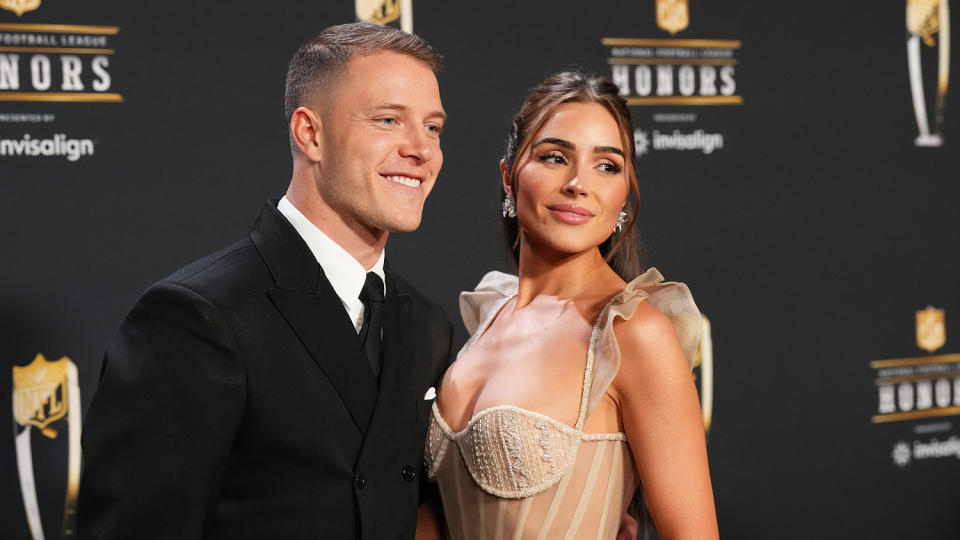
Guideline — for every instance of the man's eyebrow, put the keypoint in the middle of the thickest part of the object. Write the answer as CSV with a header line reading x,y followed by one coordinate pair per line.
x,y
398,107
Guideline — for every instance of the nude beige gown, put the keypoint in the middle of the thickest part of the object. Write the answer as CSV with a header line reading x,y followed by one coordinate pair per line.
x,y
513,473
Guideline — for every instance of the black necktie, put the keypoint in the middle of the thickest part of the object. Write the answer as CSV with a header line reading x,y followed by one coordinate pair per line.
x,y
372,297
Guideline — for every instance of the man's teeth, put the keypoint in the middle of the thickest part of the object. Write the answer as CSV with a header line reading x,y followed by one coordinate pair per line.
x,y
405,180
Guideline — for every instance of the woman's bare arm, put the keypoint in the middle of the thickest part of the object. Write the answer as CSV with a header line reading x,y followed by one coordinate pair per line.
x,y
662,420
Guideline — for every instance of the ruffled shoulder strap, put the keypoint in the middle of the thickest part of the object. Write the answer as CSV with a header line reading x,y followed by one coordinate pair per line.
x,y
479,306
672,299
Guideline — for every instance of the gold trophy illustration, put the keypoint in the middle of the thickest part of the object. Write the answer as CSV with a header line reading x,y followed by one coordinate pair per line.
x,y
386,12
44,393
925,18
704,361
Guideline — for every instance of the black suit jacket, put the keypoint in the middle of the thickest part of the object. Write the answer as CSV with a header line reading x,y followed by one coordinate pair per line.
x,y
236,402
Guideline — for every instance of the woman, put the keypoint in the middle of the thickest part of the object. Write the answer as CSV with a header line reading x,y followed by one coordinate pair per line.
x,y
575,388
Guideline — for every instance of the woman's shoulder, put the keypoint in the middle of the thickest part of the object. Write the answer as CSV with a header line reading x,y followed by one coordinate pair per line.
x,y
486,298
659,340
651,321
652,313
647,324
648,334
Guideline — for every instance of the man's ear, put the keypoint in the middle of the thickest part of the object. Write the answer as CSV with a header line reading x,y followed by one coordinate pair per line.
x,y
306,130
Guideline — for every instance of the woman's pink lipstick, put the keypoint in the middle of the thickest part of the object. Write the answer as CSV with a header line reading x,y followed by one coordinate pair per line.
x,y
569,214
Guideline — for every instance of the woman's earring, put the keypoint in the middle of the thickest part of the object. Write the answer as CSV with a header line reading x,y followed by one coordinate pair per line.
x,y
621,219
509,208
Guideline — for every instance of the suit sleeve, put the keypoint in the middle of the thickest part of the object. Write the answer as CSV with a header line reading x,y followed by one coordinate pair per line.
x,y
161,424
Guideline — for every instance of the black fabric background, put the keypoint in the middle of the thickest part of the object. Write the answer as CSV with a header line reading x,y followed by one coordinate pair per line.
x,y
809,240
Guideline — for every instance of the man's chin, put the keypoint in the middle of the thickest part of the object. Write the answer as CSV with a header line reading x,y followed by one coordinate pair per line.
x,y
404,227
403,223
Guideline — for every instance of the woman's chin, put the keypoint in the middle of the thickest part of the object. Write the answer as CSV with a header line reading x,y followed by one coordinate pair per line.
x,y
563,248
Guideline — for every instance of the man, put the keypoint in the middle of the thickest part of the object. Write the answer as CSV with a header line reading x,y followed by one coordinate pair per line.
x,y
249,394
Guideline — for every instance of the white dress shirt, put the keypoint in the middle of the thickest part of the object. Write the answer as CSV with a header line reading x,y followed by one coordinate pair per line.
x,y
345,273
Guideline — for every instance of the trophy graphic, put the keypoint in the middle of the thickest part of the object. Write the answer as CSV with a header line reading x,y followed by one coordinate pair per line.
x,y
704,361
44,393
924,19
385,12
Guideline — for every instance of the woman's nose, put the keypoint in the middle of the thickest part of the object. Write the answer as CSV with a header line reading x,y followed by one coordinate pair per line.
x,y
574,187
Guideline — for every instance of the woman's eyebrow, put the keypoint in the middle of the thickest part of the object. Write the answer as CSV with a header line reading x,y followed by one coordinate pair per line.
x,y
608,149
570,146
559,142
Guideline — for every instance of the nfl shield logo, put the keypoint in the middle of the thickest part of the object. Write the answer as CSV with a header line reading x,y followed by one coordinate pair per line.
x,y
40,393
931,329
673,15
378,11
19,6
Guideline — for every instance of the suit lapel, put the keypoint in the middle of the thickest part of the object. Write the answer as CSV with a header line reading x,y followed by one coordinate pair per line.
x,y
325,330
311,307
399,356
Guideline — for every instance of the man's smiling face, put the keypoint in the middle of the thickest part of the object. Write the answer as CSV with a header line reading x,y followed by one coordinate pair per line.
x,y
381,132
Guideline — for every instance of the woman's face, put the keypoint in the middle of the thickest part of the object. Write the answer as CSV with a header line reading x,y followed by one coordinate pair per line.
x,y
572,183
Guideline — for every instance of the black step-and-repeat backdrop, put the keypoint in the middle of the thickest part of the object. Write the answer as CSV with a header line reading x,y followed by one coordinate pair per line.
x,y
798,170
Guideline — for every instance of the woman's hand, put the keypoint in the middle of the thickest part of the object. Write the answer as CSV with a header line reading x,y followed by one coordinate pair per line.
x,y
428,525
629,528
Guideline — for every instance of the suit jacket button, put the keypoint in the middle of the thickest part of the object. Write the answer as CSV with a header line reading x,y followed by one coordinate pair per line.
x,y
361,482
408,473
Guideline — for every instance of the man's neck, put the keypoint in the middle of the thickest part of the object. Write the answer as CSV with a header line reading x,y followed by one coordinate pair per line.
x,y
362,243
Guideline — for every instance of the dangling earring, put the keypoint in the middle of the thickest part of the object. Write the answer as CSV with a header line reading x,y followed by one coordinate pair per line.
x,y
509,208
621,219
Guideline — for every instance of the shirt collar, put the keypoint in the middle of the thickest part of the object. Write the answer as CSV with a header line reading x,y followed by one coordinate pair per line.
x,y
345,273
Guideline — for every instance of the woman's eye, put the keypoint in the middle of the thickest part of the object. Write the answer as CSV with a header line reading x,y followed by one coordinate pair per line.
x,y
553,157
611,168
